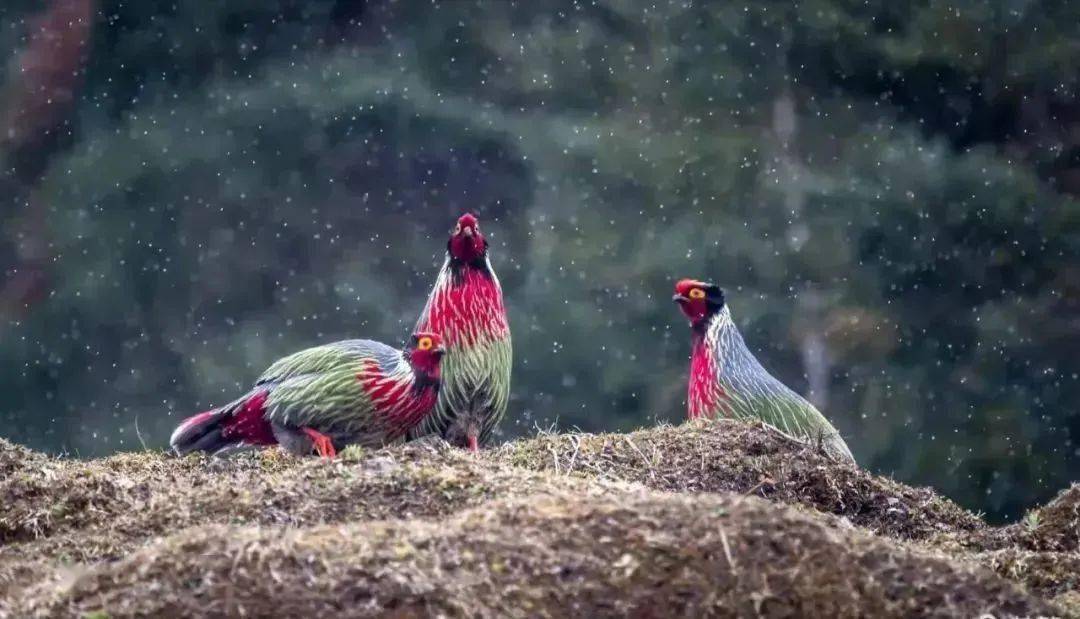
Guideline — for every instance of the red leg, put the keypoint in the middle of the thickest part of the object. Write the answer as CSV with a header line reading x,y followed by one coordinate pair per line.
x,y
322,443
474,445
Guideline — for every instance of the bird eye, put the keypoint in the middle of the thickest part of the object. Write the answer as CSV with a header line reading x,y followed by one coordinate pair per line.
x,y
423,343
697,293
457,229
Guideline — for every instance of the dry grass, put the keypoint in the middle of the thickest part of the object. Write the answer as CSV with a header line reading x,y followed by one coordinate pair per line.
x,y
669,518
88,511
1050,573
149,493
632,554
1053,527
16,457
732,456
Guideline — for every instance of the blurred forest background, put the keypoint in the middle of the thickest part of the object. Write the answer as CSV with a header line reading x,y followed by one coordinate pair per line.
x,y
887,190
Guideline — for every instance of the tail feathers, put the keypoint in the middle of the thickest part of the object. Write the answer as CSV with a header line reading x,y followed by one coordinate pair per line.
x,y
830,441
202,432
839,449
241,423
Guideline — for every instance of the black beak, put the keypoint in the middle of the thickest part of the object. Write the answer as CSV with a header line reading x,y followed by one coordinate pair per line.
x,y
679,298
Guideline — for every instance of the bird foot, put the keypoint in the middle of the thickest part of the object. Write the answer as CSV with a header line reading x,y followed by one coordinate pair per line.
x,y
323,445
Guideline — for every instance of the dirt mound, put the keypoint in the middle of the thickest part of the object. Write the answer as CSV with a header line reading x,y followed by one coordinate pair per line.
x,y
733,456
600,523
136,495
638,553
16,457
151,492
1055,526
1069,603
1050,573
88,511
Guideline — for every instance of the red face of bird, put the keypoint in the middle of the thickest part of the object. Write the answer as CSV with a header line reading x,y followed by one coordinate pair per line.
x,y
698,300
425,351
467,243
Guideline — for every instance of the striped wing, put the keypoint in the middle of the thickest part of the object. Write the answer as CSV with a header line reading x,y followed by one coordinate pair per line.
x,y
751,392
334,402
326,358
321,388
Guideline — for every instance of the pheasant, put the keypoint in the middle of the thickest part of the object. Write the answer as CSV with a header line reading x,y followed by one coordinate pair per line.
x,y
466,308
726,380
324,398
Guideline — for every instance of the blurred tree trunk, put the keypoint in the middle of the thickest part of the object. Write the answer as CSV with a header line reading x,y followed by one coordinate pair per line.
x,y
817,362
34,119
809,323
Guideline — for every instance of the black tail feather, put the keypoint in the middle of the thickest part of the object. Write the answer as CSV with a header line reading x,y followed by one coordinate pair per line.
x,y
200,433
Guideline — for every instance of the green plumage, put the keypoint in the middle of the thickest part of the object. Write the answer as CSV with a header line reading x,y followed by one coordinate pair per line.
x,y
743,389
328,387
319,359
466,308
477,378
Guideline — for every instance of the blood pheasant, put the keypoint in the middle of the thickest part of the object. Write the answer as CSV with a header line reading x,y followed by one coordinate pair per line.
x,y
323,398
466,308
726,380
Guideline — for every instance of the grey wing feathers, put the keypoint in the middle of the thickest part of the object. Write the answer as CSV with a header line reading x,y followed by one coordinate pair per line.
x,y
754,393
323,358
319,387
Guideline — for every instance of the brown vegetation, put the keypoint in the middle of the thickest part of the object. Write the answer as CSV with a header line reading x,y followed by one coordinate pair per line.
x,y
673,520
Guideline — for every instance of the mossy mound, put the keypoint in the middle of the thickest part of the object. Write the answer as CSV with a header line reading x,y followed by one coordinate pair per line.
x,y
1050,573
733,456
1055,526
558,524
639,553
148,493
14,457
1068,603
88,511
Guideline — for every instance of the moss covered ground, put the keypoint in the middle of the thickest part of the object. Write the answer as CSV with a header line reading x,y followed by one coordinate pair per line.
x,y
722,519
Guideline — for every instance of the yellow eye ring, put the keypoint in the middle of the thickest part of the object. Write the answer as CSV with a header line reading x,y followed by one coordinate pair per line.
x,y
424,344
697,293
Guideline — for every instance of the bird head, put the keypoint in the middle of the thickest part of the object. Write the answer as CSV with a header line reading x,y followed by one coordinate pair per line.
x,y
698,301
425,351
464,432
467,244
